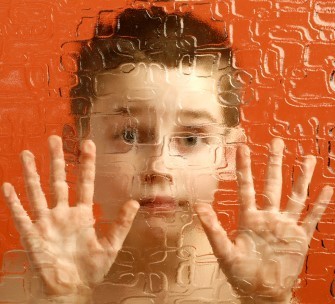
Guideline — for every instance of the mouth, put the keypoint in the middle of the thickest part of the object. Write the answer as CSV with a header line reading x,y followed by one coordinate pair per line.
x,y
161,203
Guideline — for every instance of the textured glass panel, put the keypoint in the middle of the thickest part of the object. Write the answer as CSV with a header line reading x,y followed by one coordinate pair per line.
x,y
171,93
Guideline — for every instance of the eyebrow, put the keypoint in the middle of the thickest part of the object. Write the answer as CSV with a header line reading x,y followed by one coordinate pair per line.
x,y
197,115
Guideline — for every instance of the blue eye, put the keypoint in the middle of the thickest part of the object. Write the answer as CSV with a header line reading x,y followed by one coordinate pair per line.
x,y
129,136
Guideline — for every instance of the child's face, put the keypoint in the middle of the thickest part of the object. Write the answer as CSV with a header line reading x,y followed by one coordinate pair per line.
x,y
160,139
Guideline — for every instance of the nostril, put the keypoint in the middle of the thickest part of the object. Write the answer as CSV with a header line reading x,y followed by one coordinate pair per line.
x,y
147,178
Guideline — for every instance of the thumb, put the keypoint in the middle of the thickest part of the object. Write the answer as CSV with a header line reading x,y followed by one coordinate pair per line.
x,y
119,228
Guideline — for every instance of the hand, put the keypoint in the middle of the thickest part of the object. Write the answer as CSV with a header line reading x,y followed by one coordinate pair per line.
x,y
61,242
267,255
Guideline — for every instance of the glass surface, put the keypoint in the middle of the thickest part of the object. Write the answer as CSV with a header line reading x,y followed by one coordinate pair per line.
x,y
167,91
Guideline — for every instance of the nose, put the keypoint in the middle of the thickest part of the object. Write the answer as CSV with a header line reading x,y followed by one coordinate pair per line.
x,y
155,170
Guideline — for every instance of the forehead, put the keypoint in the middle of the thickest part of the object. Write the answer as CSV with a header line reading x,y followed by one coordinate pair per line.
x,y
134,76
149,85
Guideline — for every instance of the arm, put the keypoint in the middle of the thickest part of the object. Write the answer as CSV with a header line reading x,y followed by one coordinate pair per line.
x,y
267,255
61,242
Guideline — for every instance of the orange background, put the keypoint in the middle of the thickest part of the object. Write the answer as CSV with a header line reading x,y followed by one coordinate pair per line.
x,y
286,47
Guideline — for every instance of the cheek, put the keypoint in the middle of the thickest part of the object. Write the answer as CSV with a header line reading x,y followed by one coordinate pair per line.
x,y
203,184
204,187
197,184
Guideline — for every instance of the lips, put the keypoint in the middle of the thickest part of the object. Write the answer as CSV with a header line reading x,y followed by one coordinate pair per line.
x,y
164,204
158,203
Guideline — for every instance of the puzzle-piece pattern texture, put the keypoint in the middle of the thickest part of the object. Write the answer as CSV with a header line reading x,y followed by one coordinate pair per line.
x,y
286,52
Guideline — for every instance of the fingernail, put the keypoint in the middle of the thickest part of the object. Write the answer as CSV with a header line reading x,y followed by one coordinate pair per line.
x,y
201,207
328,189
276,146
6,189
87,146
53,141
246,151
135,205
27,156
201,210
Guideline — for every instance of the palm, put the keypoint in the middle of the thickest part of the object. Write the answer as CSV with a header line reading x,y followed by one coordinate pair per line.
x,y
268,252
62,243
52,244
268,255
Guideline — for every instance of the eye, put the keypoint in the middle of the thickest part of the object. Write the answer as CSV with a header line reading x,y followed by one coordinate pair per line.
x,y
129,135
190,140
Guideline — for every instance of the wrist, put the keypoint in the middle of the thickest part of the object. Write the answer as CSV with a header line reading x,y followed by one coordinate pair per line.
x,y
62,280
82,296
79,294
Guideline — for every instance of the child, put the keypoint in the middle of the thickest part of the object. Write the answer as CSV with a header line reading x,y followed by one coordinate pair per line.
x,y
159,103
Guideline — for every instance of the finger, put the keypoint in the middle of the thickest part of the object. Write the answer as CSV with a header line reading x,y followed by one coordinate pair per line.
x,y
33,186
217,236
314,216
85,185
273,183
298,196
120,227
21,219
244,178
58,175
